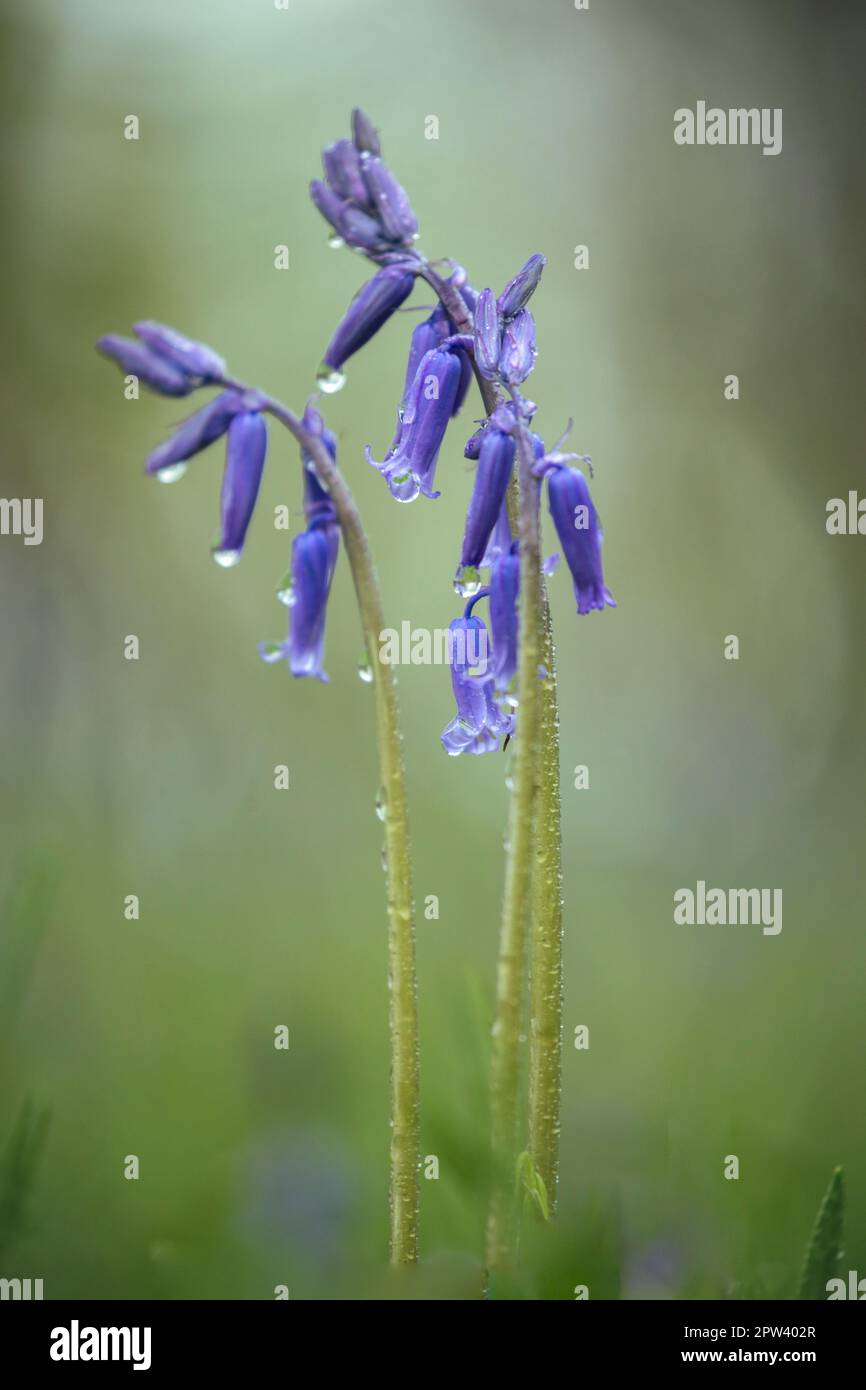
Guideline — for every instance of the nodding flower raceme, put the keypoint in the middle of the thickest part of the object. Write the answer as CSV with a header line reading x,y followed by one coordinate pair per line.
x,y
368,210
176,365
479,722
360,197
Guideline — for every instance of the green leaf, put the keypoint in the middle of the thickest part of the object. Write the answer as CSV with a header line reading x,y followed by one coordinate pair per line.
x,y
529,1178
825,1247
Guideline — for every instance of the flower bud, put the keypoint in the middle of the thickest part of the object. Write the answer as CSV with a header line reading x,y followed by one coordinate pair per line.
x,y
520,290
487,335
135,359
372,306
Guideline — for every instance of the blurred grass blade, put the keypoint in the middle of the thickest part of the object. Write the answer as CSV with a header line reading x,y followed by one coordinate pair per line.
x,y
23,921
825,1248
18,1170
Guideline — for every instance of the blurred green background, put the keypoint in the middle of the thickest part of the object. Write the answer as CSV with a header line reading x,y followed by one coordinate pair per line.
x,y
155,777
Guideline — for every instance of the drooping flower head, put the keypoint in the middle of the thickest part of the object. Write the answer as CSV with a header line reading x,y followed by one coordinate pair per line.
x,y
410,464
246,447
314,559
492,476
579,531
164,359
479,722
504,591
360,197
372,306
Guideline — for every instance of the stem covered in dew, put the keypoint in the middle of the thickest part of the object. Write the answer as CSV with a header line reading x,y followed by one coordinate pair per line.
x,y
545,968
401,929
545,912
511,964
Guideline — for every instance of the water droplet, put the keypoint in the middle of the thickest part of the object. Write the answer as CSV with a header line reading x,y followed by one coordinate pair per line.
x,y
336,242
329,380
384,859
365,672
226,559
405,487
467,581
381,804
506,844
172,474
286,590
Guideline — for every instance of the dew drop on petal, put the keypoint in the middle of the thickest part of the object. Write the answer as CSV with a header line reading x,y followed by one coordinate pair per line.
x,y
329,380
467,581
286,591
336,242
226,559
405,487
172,474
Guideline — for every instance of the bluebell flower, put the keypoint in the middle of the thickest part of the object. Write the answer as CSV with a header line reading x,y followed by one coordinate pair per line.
x,y
492,476
196,359
579,531
364,133
500,539
389,200
487,335
165,360
504,590
317,500
517,353
246,447
410,464
372,306
342,164
135,359
357,227
479,722
314,558
519,291
428,334
196,433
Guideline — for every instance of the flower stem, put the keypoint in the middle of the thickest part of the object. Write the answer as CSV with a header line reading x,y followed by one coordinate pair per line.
x,y
401,929
545,970
511,964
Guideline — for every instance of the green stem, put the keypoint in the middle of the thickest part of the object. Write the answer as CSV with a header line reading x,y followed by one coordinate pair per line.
x,y
545,970
401,930
511,964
